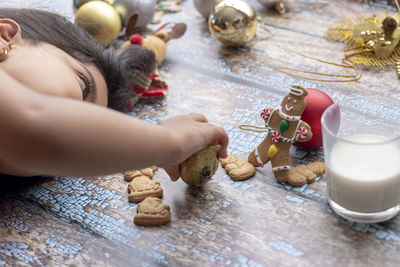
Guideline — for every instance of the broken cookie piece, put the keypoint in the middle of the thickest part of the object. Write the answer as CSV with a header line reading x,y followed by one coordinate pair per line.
x,y
151,211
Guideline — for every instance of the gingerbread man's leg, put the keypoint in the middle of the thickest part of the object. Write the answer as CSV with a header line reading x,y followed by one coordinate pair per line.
x,y
259,156
281,165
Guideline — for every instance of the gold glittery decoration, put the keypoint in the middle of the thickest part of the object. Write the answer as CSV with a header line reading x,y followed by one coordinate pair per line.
x,y
373,41
398,68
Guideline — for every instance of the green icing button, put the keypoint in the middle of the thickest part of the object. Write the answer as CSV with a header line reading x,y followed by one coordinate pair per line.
x,y
284,125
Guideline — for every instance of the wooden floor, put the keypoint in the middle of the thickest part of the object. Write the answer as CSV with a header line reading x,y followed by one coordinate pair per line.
x,y
257,222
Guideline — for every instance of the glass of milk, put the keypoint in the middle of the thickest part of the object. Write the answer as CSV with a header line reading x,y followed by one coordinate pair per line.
x,y
362,155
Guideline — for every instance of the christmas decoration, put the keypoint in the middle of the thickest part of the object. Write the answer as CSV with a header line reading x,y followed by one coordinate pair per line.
x,y
284,6
152,85
143,8
280,136
373,41
166,6
100,20
204,6
233,22
78,3
157,42
317,101
279,6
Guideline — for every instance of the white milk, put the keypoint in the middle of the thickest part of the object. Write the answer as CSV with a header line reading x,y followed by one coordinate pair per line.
x,y
365,178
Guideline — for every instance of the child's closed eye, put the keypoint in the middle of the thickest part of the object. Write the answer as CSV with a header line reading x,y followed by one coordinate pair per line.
x,y
85,85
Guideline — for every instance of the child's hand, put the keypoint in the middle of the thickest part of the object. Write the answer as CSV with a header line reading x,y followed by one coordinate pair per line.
x,y
190,133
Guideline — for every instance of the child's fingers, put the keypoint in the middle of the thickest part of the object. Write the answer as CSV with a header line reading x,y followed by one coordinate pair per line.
x,y
223,140
198,117
173,172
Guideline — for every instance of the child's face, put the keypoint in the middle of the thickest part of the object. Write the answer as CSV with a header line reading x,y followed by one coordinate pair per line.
x,y
49,70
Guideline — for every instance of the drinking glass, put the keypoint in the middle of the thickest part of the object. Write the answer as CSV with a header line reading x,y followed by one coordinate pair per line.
x,y
362,155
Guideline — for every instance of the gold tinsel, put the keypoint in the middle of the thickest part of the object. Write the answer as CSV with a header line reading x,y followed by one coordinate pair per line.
x,y
370,42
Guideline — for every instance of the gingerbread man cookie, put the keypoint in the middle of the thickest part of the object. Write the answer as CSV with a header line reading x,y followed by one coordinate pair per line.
x,y
142,187
152,212
284,128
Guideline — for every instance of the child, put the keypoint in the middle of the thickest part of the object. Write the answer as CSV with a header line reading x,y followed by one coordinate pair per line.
x,y
47,67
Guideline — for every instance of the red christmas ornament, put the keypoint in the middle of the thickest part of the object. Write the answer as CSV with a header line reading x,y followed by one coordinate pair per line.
x,y
317,101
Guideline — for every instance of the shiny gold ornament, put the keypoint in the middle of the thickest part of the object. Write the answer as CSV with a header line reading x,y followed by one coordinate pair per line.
x,y
233,22
282,6
279,6
78,3
373,40
100,20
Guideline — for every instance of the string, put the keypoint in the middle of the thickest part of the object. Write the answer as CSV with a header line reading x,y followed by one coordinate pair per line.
x,y
346,64
261,24
302,5
248,127
397,5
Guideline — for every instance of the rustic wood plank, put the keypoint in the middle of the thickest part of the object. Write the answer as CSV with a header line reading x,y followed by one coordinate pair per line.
x,y
257,222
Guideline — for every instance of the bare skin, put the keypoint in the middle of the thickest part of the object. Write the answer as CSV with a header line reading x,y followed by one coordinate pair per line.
x,y
48,130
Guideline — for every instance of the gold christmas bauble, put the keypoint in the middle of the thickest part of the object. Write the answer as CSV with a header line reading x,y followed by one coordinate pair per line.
x,y
79,3
233,22
99,19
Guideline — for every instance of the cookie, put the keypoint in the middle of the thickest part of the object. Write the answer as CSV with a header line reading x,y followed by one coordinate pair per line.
x,y
154,168
317,167
130,175
142,187
201,166
284,127
229,159
152,212
303,174
240,170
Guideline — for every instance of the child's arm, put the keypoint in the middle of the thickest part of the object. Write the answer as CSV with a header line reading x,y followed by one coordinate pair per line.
x,y
46,135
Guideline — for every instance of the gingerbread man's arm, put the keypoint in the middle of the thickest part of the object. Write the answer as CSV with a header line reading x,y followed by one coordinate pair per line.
x,y
266,113
305,132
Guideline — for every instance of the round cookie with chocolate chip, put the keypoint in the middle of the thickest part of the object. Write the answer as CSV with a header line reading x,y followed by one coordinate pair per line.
x,y
201,166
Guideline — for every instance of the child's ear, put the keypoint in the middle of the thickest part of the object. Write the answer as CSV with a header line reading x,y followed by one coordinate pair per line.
x,y
10,33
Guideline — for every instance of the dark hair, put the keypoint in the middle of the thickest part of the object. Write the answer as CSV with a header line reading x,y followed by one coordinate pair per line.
x,y
42,26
